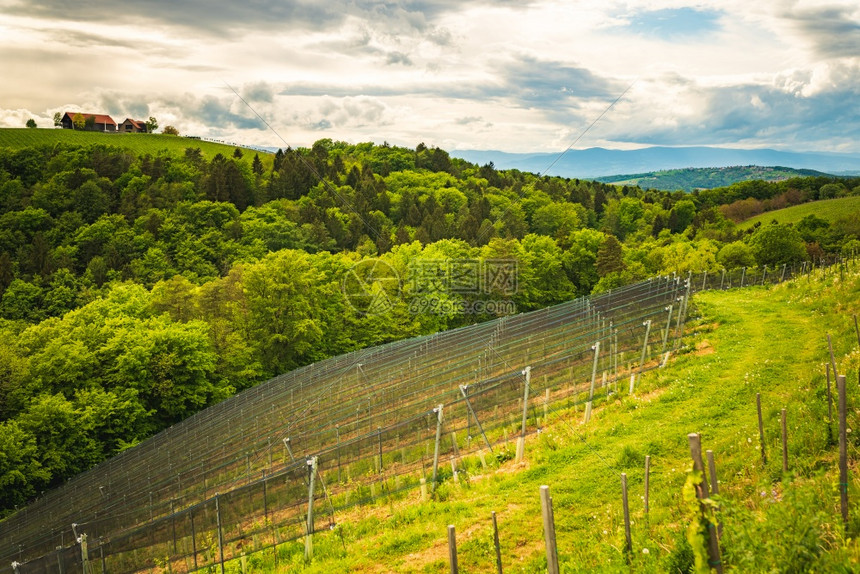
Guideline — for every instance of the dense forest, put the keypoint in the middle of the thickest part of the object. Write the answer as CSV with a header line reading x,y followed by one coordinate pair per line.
x,y
136,290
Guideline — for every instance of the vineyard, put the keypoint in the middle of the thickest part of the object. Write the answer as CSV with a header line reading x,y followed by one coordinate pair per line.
x,y
290,456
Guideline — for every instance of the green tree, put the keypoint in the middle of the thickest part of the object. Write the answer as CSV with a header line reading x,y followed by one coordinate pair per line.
x,y
58,120
777,244
151,125
22,475
284,294
736,255
79,121
31,123
610,257
170,130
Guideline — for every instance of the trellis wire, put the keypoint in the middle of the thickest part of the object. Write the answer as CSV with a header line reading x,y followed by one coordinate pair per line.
x,y
368,416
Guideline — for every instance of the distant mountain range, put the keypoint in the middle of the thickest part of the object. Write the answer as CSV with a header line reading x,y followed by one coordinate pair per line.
x,y
598,162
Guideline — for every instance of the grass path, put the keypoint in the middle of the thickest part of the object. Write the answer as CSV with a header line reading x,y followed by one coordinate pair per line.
x,y
767,340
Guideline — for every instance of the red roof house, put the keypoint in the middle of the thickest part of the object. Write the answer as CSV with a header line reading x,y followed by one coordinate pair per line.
x,y
92,122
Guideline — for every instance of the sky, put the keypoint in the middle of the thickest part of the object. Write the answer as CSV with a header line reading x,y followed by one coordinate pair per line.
x,y
506,75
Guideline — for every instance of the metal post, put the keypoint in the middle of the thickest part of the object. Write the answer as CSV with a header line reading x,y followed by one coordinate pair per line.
x,y
337,432
472,410
528,375
644,350
596,348
85,557
220,533
438,411
743,274
549,530
309,525
722,279
832,359
379,440
193,537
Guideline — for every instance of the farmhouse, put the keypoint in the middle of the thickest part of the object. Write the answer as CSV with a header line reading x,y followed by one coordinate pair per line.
x,y
133,126
92,122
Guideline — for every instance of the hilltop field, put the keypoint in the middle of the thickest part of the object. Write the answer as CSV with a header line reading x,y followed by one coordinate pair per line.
x,y
139,144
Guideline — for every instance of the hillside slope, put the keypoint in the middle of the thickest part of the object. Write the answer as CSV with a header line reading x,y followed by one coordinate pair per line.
x,y
138,143
829,209
760,340
689,179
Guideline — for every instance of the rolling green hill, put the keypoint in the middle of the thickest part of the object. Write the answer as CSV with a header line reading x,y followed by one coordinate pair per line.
x,y
689,179
138,143
830,209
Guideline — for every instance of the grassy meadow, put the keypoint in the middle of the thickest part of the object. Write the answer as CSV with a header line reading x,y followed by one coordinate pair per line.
x,y
755,340
138,143
829,209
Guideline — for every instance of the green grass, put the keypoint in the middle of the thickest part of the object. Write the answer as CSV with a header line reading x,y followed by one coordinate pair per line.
x,y
137,143
757,340
829,209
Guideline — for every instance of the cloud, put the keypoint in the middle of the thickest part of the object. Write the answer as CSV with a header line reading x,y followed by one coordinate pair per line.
x,y
773,115
216,114
227,16
834,31
258,92
398,58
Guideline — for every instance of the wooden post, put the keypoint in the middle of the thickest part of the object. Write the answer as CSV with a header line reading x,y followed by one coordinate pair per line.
x,y
843,450
647,480
628,540
712,471
497,545
452,548
760,428
549,530
829,401
714,560
857,330
784,443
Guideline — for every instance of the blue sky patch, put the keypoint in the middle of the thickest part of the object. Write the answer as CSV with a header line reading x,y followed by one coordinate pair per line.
x,y
674,24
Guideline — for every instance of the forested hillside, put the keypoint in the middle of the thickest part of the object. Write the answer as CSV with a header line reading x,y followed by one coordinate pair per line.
x,y
137,289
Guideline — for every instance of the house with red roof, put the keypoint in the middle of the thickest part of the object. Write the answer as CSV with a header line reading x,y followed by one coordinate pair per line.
x,y
92,122
133,126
